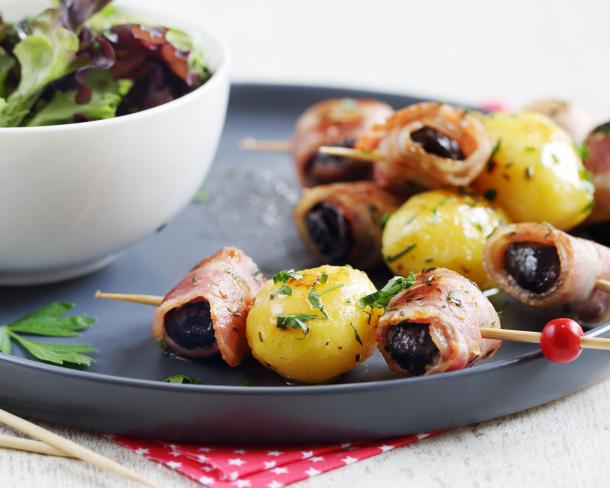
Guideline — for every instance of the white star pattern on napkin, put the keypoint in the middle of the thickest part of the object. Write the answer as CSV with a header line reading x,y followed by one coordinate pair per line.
x,y
280,470
386,448
236,462
205,449
269,464
233,475
317,459
175,453
306,454
274,484
274,453
312,472
241,483
141,451
206,480
202,459
173,464
349,460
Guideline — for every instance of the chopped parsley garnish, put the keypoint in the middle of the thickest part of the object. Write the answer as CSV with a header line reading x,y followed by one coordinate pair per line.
x,y
50,321
285,275
182,379
296,321
315,301
588,206
323,278
530,148
356,334
330,289
260,336
451,298
586,175
282,290
555,158
583,151
406,250
384,219
202,196
381,298
490,194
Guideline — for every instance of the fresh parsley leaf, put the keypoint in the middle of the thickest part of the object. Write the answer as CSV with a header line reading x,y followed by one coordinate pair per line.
x,y
182,379
285,275
60,354
315,301
296,321
381,298
323,278
356,334
50,321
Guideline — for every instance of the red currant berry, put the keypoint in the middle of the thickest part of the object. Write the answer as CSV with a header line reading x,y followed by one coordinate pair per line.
x,y
560,340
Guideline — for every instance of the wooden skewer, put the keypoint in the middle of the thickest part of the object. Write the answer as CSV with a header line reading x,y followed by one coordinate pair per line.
x,y
122,297
487,333
534,338
69,447
346,152
252,144
27,445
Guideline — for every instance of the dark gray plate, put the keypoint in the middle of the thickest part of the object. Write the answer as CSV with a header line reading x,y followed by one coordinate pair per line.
x,y
252,196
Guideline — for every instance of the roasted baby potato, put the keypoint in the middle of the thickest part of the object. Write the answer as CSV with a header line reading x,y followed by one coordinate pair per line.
x,y
441,229
307,325
535,172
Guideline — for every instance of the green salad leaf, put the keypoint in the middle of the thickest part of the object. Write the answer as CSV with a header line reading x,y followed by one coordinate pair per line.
x,y
64,107
46,54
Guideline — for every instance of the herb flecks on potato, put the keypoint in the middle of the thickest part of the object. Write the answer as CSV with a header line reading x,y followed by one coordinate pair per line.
x,y
535,172
441,229
308,325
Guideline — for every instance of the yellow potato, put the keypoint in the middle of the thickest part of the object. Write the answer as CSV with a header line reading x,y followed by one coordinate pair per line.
x,y
535,174
288,332
441,229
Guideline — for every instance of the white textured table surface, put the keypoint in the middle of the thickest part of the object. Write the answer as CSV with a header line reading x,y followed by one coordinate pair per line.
x,y
467,51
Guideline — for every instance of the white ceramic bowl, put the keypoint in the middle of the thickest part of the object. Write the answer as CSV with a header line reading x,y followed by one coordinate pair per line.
x,y
72,196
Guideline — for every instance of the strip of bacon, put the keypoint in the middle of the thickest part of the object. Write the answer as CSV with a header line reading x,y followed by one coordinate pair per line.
x,y
598,162
453,309
334,122
228,281
406,164
342,222
581,264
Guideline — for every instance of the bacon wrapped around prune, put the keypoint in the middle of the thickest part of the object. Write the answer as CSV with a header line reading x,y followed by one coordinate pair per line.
x,y
342,223
334,122
433,326
429,145
550,270
205,313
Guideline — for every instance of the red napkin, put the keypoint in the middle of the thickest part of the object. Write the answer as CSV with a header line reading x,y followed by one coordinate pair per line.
x,y
260,467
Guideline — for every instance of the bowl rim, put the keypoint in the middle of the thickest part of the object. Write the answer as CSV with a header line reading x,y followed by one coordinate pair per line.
x,y
219,75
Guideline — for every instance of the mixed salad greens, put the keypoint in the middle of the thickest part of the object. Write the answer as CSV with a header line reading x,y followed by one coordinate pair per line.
x,y
83,60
